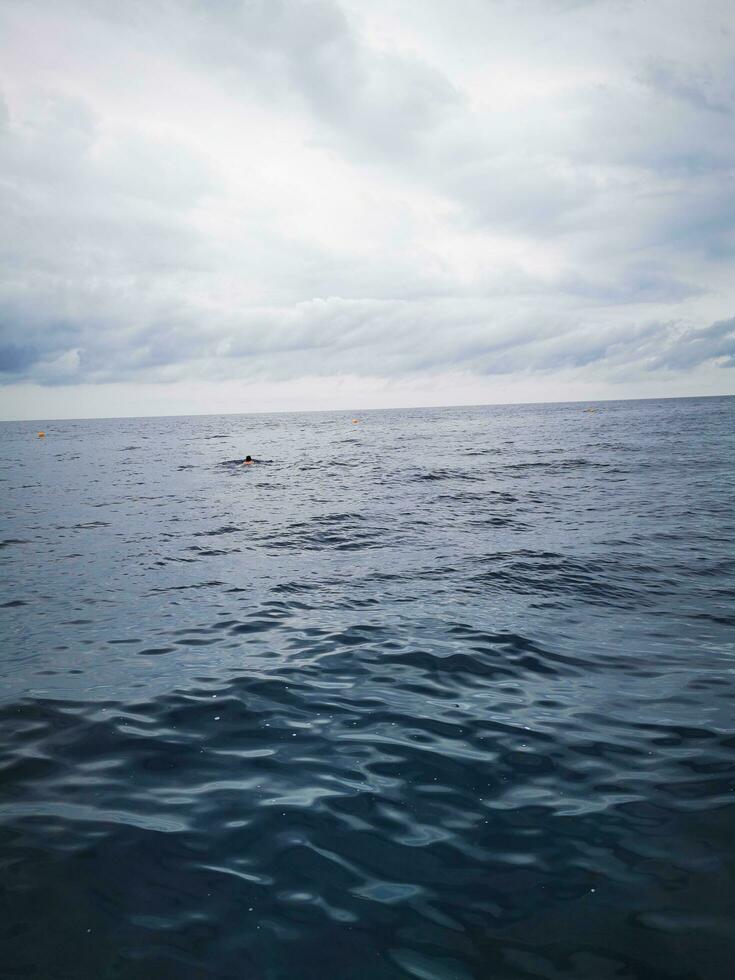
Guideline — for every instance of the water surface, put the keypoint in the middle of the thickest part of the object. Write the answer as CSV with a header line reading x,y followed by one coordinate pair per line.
x,y
443,694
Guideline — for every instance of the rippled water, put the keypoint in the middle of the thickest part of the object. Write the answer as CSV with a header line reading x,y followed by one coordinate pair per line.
x,y
444,694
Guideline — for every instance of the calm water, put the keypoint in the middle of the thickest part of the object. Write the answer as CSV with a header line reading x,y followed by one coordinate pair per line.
x,y
447,694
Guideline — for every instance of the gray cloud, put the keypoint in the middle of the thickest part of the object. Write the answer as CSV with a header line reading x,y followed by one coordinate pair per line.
x,y
694,347
279,188
698,87
15,358
309,51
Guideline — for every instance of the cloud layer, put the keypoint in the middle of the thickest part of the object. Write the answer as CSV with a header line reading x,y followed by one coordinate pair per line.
x,y
271,190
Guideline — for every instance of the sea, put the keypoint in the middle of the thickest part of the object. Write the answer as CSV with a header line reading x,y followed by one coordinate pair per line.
x,y
432,694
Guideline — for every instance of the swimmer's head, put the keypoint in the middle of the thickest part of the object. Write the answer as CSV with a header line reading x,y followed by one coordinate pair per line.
x,y
248,459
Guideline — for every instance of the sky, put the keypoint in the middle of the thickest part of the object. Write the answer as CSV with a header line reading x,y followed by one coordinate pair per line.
x,y
263,205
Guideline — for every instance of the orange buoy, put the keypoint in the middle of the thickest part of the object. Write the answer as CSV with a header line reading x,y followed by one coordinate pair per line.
x,y
41,435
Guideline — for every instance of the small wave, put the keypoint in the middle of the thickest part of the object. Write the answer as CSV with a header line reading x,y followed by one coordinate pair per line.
x,y
449,475
225,529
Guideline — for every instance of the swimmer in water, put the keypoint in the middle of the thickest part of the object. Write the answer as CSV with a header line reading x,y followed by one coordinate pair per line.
x,y
248,461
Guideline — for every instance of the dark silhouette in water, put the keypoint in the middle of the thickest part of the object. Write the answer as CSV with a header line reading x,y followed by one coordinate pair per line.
x,y
247,461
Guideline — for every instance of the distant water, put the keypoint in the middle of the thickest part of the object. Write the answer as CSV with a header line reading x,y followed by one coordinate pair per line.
x,y
444,694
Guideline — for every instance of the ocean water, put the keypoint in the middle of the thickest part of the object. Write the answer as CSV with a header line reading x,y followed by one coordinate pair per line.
x,y
444,694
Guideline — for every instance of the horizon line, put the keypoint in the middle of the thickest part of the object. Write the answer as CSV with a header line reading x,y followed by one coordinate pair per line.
x,y
347,411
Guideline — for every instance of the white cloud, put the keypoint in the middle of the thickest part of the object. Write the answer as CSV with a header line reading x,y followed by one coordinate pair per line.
x,y
290,190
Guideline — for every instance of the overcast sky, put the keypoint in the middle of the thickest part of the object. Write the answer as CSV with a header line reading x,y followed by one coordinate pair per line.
x,y
244,205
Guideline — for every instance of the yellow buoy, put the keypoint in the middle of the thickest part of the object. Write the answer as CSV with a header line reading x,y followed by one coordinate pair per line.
x,y
41,435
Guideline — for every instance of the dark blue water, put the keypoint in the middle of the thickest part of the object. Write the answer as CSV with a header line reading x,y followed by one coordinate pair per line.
x,y
446,694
